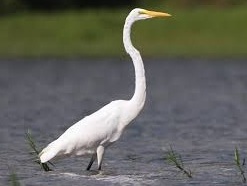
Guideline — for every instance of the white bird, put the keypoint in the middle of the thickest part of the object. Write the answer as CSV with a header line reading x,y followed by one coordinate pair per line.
x,y
94,133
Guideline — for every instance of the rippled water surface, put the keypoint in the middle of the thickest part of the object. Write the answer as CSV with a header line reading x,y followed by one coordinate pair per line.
x,y
198,106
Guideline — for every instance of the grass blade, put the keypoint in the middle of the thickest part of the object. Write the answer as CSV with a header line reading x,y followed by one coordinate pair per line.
x,y
240,167
35,151
176,159
14,180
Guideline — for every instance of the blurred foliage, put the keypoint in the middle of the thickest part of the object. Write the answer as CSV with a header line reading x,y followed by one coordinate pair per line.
x,y
202,32
65,4
209,28
192,3
10,6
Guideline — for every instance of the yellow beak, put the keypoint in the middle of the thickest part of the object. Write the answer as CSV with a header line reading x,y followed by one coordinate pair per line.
x,y
155,14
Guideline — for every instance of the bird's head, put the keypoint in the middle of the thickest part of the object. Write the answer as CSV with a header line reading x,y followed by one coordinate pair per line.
x,y
139,14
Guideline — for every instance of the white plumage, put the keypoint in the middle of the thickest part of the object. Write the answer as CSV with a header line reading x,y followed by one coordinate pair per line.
x,y
86,135
94,133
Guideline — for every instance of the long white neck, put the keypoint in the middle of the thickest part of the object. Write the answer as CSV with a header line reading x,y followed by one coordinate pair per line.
x,y
139,96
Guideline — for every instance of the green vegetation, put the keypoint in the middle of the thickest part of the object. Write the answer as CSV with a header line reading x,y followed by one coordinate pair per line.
x,y
14,180
175,159
35,152
200,32
239,165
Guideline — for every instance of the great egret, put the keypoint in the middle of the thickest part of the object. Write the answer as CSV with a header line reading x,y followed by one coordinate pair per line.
x,y
94,133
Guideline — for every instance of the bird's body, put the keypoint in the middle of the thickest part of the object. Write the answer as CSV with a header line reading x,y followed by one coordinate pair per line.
x,y
95,132
105,125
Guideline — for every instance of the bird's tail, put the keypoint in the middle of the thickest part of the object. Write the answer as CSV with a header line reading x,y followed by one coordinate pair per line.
x,y
48,152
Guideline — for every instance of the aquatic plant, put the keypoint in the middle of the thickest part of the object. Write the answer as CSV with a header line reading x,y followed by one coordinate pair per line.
x,y
239,165
35,152
175,159
14,180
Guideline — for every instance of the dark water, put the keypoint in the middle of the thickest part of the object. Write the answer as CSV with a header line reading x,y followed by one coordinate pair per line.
x,y
198,106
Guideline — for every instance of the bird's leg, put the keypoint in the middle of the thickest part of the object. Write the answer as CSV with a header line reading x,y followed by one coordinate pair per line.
x,y
100,154
91,161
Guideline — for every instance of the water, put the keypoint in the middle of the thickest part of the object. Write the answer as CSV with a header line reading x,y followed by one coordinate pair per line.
x,y
197,106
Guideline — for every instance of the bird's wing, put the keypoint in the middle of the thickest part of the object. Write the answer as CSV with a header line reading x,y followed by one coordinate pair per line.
x,y
97,126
